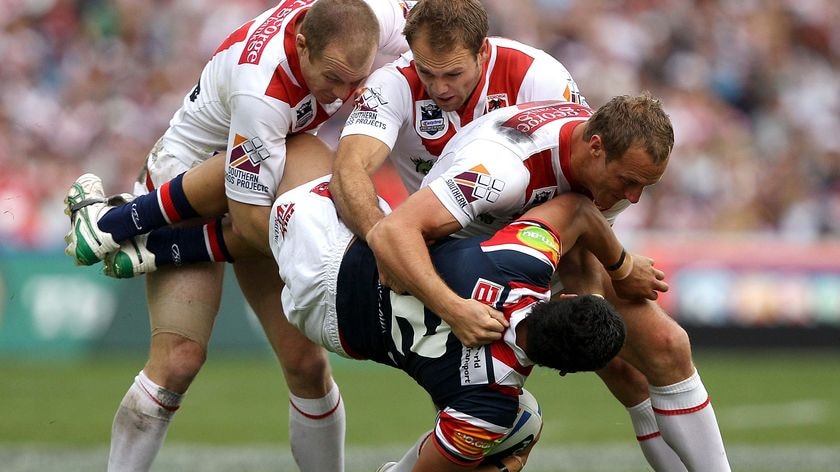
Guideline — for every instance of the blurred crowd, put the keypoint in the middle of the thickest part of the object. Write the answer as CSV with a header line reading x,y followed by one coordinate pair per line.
x,y
753,88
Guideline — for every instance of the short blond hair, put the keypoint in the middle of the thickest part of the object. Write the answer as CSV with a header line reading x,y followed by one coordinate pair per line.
x,y
628,121
350,23
448,23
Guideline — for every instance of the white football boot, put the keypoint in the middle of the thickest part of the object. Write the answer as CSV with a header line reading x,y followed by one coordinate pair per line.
x,y
85,204
130,260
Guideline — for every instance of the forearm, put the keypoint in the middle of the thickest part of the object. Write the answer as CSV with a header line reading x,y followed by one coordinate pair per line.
x,y
355,199
356,159
403,254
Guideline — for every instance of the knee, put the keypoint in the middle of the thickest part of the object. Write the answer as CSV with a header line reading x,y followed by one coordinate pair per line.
x,y
661,350
177,362
307,369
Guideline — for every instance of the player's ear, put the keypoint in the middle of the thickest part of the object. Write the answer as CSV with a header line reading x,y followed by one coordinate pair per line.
x,y
596,147
300,44
484,52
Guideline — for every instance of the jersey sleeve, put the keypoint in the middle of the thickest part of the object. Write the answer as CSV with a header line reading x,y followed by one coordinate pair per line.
x,y
481,177
256,153
381,107
548,79
391,15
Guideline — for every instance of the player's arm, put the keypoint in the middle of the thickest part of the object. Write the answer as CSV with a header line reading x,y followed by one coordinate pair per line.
x,y
580,223
255,162
357,157
382,106
399,244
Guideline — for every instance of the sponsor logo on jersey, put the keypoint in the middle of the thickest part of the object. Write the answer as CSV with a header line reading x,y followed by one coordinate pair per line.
x,y
531,119
369,99
422,166
541,240
281,220
540,195
496,101
322,189
473,366
487,292
365,107
244,163
475,184
304,112
430,120
267,30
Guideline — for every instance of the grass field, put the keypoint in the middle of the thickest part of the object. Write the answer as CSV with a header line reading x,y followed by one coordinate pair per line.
x,y
779,411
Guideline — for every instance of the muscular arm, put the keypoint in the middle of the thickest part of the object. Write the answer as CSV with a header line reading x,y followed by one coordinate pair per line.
x,y
583,226
357,158
399,244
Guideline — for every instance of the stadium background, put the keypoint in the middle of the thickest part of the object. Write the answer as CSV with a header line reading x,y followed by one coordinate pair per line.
x,y
746,223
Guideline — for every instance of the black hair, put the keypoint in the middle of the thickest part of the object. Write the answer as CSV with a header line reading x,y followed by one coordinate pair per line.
x,y
574,334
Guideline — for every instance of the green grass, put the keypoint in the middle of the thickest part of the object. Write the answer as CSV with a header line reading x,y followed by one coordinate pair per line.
x,y
762,399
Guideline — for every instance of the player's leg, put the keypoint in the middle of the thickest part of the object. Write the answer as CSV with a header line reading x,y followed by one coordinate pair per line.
x,y
98,226
316,411
660,349
182,305
581,273
630,387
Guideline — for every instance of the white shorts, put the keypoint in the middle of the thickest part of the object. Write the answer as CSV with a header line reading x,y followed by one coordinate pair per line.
x,y
308,242
163,163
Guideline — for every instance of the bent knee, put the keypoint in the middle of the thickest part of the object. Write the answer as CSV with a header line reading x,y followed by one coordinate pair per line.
x,y
176,360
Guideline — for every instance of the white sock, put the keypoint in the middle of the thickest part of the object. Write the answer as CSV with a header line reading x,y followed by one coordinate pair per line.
x,y
316,432
140,425
406,463
658,453
688,424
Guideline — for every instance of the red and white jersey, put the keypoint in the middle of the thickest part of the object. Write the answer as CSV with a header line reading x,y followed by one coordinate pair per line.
x,y
251,95
393,105
508,161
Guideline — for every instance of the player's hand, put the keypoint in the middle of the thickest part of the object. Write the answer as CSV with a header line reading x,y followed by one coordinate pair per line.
x,y
520,458
475,324
644,281
392,283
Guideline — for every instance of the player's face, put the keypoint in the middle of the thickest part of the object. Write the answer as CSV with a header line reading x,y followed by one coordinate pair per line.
x,y
448,78
625,178
335,74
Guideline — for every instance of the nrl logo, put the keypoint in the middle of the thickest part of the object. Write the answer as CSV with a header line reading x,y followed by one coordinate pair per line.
x,y
304,113
430,119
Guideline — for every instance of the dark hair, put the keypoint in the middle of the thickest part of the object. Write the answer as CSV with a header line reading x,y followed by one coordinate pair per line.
x,y
627,121
347,22
574,334
448,23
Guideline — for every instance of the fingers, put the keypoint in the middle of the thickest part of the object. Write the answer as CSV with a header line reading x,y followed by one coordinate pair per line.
x,y
499,317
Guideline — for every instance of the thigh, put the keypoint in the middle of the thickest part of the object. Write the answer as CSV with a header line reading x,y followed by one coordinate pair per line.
x,y
305,364
185,300
307,158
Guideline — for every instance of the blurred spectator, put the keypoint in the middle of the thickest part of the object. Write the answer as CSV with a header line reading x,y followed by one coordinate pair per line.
x,y
753,88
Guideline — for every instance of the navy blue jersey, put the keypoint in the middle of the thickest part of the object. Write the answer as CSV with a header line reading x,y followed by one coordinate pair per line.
x,y
509,271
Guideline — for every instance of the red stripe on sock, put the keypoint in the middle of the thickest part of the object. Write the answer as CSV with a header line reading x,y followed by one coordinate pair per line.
x,y
167,205
316,417
648,436
154,399
210,233
683,411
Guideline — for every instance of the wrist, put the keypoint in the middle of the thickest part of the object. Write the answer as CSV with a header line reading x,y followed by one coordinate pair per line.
x,y
622,268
